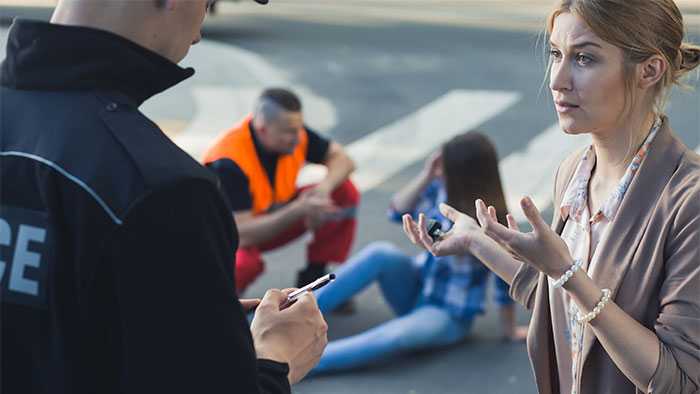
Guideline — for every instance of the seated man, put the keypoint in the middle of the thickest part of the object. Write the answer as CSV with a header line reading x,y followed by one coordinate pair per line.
x,y
258,162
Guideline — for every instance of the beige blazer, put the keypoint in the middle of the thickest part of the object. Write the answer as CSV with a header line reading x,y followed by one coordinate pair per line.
x,y
650,262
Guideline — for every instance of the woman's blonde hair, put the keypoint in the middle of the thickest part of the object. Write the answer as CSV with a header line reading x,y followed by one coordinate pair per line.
x,y
641,28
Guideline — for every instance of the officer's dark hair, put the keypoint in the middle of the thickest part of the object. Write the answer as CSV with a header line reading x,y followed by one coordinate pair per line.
x,y
284,98
160,3
470,170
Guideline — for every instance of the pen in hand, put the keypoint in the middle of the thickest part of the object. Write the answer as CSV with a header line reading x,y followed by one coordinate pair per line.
x,y
315,285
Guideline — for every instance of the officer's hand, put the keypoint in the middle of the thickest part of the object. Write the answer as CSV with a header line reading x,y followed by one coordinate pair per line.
x,y
295,335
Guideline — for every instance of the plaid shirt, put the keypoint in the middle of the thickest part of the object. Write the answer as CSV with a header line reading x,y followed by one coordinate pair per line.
x,y
456,283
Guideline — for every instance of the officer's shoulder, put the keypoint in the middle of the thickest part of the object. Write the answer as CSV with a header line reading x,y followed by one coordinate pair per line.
x,y
98,143
151,153
139,158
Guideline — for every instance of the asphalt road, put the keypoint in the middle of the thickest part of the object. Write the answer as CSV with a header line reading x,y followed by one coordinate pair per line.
x,y
360,75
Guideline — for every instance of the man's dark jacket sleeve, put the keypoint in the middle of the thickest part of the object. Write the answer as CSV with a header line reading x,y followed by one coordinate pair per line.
x,y
183,327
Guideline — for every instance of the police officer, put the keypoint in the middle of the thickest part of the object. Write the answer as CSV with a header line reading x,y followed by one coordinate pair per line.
x,y
115,248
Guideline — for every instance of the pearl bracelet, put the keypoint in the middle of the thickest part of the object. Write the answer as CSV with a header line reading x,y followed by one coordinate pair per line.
x,y
568,274
596,311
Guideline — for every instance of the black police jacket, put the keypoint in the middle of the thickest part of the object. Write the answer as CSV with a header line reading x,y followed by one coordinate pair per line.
x,y
116,247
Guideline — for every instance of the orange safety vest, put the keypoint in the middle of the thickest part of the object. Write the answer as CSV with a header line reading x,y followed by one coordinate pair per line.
x,y
237,144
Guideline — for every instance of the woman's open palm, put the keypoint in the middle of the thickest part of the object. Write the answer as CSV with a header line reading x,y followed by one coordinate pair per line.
x,y
542,248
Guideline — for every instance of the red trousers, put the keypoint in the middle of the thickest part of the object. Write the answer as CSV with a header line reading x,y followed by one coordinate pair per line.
x,y
332,241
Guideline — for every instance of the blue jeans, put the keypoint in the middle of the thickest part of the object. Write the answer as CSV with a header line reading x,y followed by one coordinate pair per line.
x,y
415,327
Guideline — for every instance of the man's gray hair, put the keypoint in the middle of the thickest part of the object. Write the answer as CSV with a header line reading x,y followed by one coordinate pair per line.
x,y
273,101
267,109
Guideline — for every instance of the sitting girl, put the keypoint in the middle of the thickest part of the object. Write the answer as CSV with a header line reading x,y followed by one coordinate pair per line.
x,y
435,299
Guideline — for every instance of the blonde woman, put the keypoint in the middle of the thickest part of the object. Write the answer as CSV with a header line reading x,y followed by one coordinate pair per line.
x,y
614,285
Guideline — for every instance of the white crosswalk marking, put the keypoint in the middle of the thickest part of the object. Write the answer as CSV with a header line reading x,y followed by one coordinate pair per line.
x,y
531,172
383,153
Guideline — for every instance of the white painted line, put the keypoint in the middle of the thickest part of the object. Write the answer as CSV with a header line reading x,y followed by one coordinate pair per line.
x,y
531,172
4,32
385,152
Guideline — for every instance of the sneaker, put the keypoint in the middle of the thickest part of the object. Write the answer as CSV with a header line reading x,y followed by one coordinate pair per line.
x,y
310,274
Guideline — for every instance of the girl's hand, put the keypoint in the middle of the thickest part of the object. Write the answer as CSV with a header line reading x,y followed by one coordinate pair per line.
x,y
542,248
433,166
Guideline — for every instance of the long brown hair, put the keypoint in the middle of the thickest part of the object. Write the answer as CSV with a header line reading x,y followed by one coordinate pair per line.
x,y
470,167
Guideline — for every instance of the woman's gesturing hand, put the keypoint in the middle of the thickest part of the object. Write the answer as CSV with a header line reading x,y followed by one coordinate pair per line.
x,y
542,248
465,233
